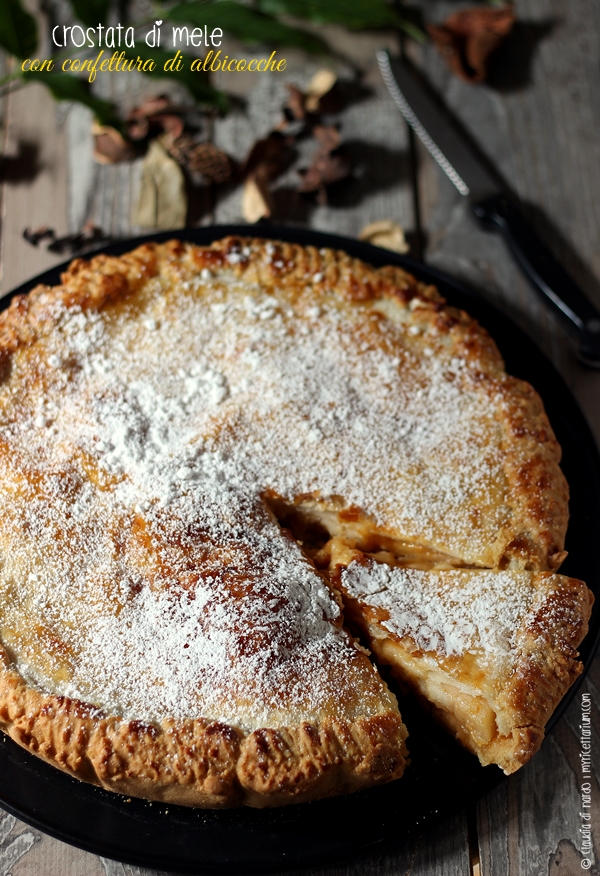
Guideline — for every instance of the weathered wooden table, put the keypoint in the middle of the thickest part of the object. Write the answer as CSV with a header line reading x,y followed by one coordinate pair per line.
x,y
539,122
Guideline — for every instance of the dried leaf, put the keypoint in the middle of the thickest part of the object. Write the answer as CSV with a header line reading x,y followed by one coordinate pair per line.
x,y
386,234
468,39
325,169
296,103
156,115
329,164
171,124
272,155
256,199
162,202
110,147
151,106
300,103
328,137
138,129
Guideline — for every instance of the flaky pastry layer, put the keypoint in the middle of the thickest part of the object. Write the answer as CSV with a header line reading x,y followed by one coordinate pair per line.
x,y
492,653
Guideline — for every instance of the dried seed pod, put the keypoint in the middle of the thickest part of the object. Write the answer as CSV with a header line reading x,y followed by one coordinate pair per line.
x,y
43,233
385,233
295,103
273,154
163,201
303,103
321,83
256,199
203,158
90,235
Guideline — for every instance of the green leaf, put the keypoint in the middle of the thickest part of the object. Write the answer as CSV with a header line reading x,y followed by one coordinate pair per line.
x,y
18,29
91,12
64,86
196,82
248,25
355,15
413,30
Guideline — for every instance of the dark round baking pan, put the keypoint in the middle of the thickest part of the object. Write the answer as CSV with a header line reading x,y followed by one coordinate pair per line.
x,y
442,778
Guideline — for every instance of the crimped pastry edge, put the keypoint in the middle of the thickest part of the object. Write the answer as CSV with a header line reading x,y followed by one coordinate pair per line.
x,y
197,762
533,683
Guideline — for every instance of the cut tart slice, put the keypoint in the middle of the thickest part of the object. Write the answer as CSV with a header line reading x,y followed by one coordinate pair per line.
x,y
493,652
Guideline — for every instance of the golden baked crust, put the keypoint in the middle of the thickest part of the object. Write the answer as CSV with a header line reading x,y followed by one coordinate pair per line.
x,y
492,652
198,762
158,412
517,518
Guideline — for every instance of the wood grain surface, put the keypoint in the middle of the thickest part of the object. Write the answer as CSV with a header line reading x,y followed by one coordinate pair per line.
x,y
539,122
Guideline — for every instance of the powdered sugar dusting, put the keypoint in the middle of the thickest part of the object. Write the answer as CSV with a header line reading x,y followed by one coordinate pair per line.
x,y
157,582
451,612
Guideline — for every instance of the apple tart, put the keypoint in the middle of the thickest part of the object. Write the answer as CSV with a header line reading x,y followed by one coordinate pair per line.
x,y
207,457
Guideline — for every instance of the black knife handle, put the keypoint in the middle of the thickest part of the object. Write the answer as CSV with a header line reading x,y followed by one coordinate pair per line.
x,y
545,274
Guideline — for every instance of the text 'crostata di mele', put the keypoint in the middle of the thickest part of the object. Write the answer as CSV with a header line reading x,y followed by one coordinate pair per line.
x,y
214,458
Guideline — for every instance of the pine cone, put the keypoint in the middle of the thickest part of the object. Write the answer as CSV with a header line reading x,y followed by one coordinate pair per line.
x,y
202,158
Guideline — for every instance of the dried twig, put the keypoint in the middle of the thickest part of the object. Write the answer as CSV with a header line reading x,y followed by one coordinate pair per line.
x,y
89,236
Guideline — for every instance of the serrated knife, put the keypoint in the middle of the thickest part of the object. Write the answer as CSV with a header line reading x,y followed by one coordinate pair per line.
x,y
493,207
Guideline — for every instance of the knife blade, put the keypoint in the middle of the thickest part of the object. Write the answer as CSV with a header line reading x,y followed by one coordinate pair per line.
x,y
493,207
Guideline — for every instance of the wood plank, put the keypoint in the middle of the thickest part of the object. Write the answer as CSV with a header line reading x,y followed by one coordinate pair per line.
x,y
50,857
544,139
99,193
443,851
531,823
16,840
35,192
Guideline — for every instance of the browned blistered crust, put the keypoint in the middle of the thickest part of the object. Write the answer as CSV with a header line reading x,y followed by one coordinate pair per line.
x,y
523,691
532,536
547,664
198,763
214,765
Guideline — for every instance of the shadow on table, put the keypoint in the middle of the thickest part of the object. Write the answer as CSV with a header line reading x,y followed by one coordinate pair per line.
x,y
511,68
22,167
375,168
